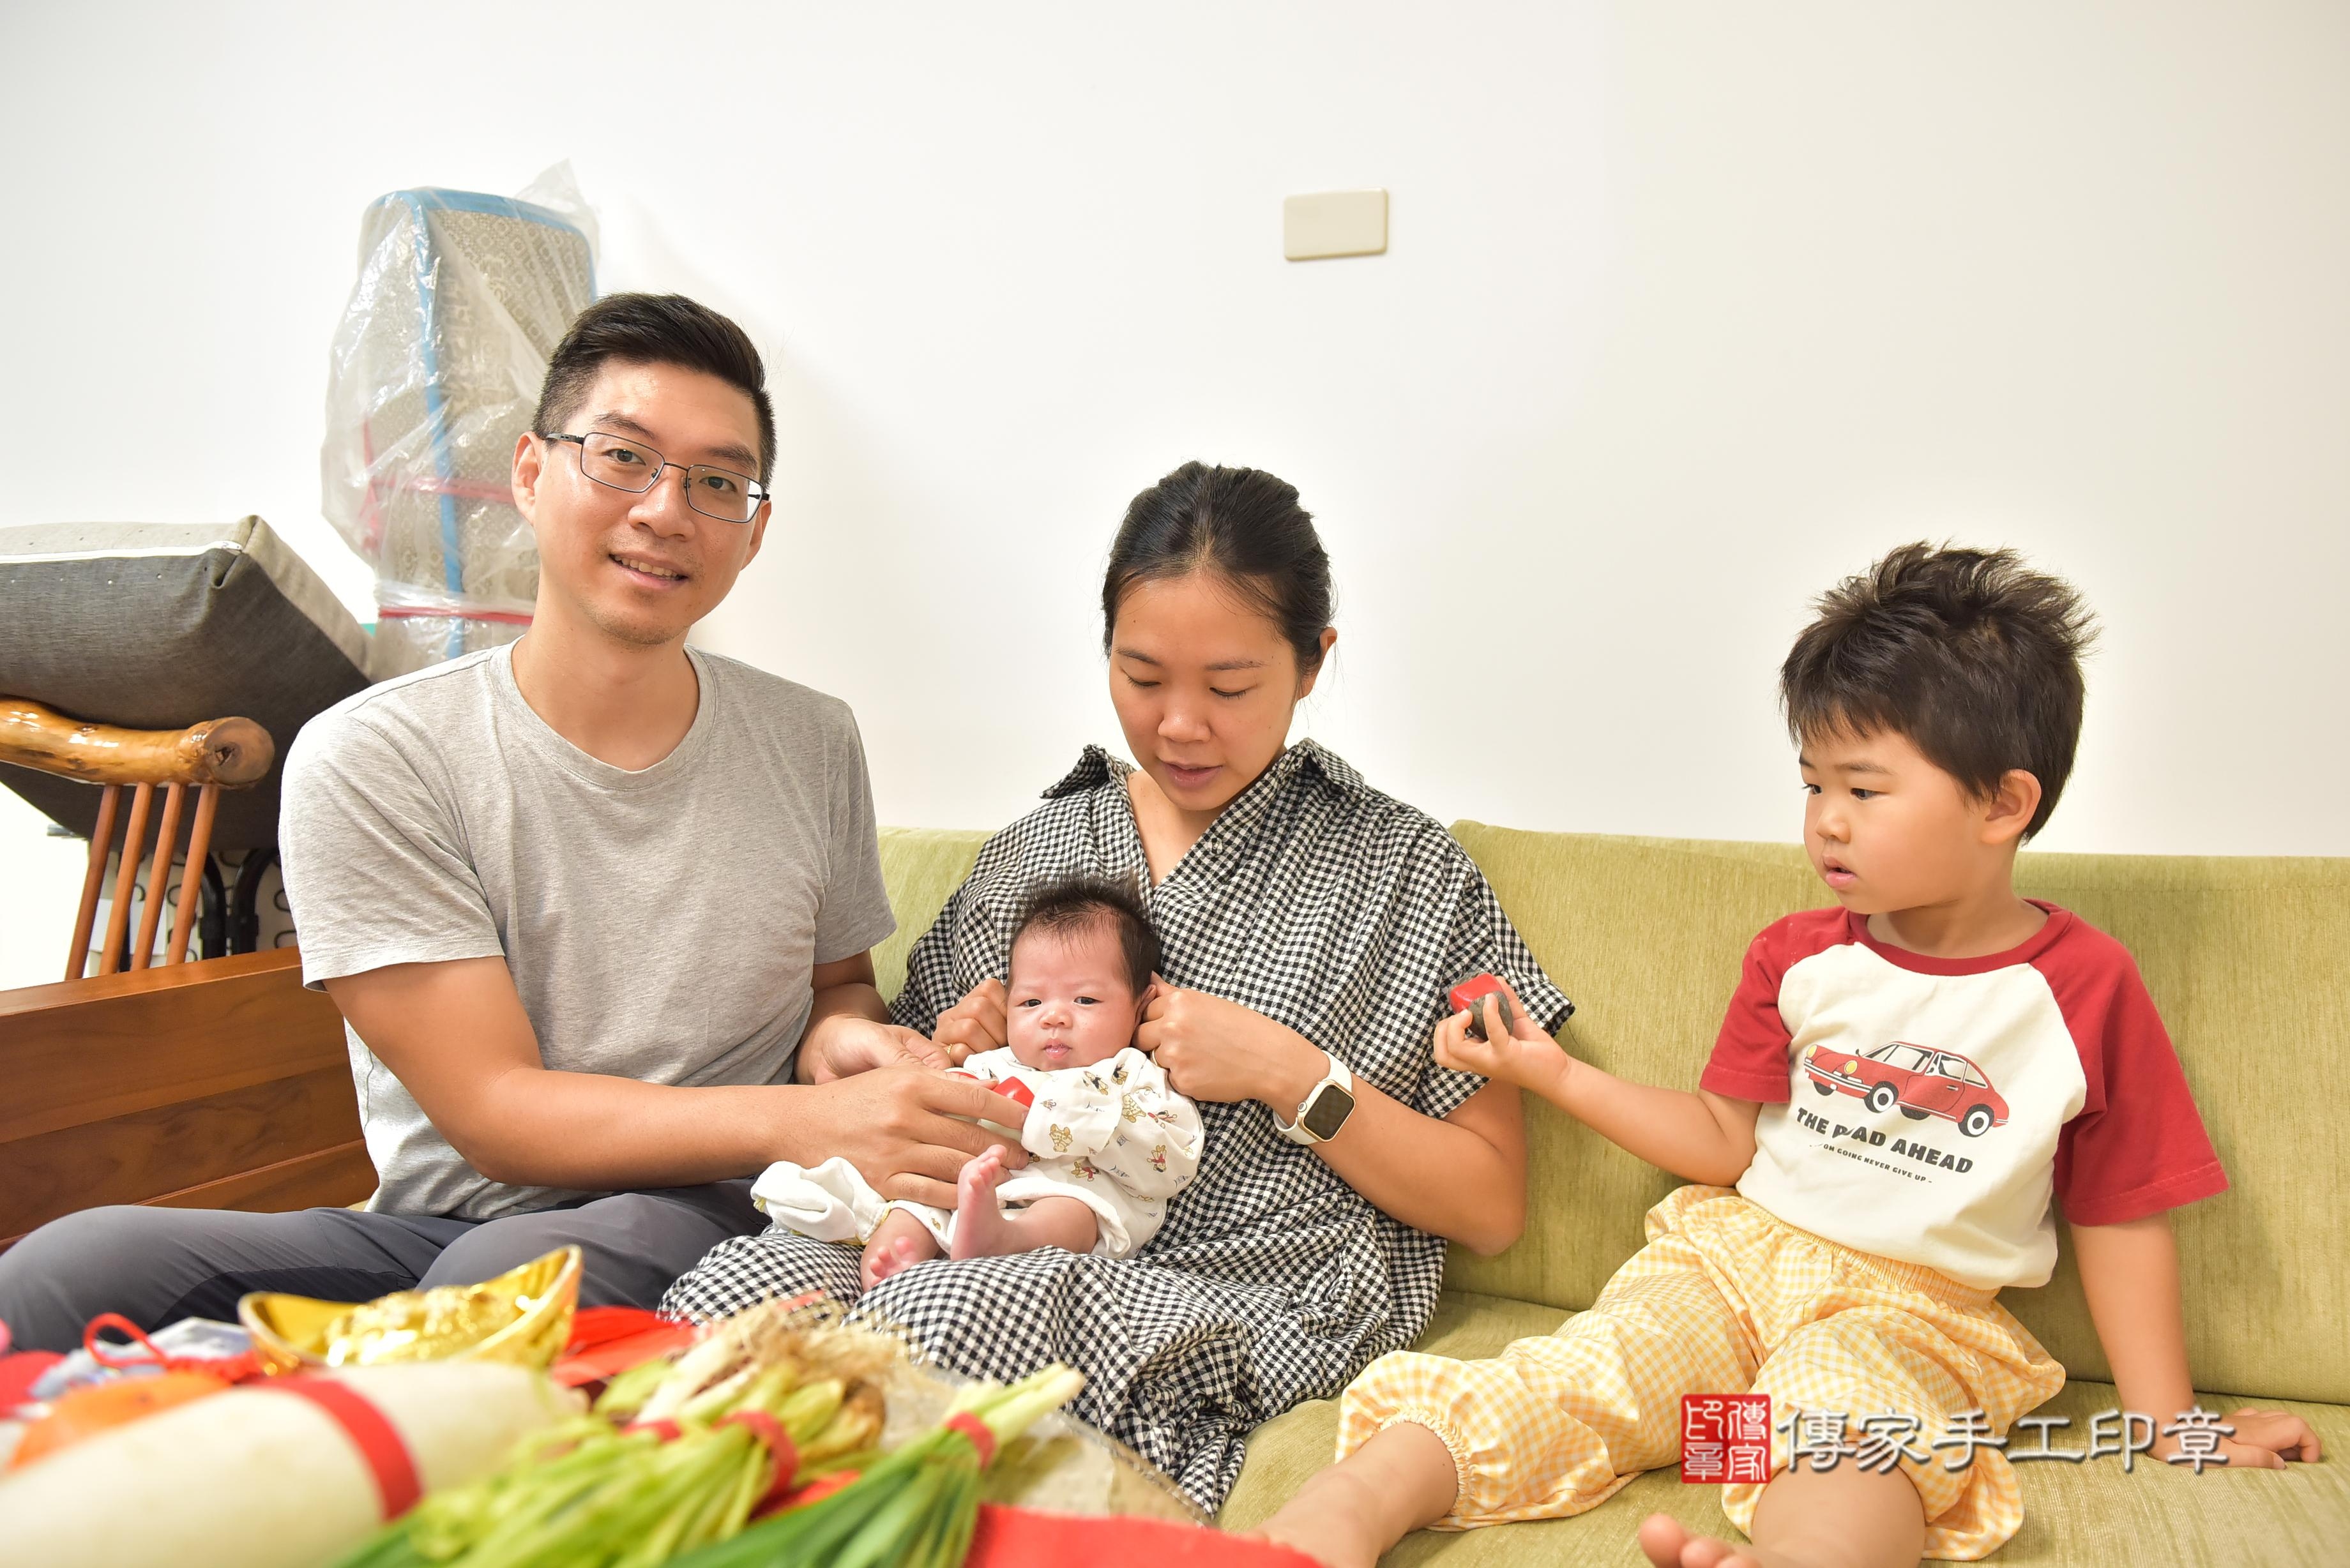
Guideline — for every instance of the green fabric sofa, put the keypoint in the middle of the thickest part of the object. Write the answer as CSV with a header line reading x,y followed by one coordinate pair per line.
x,y
2249,961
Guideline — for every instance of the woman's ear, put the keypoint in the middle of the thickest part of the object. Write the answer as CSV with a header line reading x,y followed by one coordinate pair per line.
x,y
1305,682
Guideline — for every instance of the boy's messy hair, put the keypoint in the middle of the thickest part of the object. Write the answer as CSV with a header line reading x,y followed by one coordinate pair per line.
x,y
1068,906
1970,654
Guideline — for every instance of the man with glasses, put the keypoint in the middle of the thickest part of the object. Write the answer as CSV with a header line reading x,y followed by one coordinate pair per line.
x,y
598,908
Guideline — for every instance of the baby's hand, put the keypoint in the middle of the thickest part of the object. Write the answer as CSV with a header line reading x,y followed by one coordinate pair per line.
x,y
1521,1054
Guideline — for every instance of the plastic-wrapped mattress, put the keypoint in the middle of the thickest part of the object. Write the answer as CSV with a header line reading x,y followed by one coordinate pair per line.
x,y
460,299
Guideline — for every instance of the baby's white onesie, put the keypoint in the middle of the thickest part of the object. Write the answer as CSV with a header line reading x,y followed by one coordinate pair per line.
x,y
1113,1136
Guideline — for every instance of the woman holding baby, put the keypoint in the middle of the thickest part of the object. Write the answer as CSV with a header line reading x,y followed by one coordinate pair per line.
x,y
1309,927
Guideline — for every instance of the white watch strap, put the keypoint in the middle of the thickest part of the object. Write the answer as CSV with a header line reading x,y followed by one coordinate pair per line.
x,y
1295,1131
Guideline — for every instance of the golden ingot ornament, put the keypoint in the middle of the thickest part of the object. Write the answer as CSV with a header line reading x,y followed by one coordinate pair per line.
x,y
523,1317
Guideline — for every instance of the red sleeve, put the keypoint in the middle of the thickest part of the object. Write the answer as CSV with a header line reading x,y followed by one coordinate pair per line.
x,y
1749,1055
2139,1147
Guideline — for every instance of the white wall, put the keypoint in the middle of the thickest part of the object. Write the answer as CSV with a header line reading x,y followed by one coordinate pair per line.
x,y
1690,309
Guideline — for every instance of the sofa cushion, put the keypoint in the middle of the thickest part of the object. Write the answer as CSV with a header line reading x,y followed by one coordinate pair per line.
x,y
2249,959
923,867
2167,1515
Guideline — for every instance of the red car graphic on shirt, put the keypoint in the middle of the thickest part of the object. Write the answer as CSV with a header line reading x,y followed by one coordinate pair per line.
x,y
1923,1081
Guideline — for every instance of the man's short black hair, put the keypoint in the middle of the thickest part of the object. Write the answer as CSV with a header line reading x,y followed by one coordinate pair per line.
x,y
654,329
1070,905
1970,654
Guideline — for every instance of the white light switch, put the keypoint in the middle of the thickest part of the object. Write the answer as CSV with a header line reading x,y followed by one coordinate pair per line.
x,y
1334,224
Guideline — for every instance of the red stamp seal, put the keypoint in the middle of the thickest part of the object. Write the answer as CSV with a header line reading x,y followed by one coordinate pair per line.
x,y
1725,1438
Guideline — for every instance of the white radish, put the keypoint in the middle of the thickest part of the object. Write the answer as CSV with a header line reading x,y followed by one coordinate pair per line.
x,y
255,1477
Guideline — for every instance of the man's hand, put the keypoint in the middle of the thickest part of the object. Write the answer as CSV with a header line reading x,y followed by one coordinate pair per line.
x,y
899,1128
1521,1054
844,1046
2265,1440
975,1024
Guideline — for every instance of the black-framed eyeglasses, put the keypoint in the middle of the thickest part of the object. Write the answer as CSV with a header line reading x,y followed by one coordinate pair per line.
x,y
633,466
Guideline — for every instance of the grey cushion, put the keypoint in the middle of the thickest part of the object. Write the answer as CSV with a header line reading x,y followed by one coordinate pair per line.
x,y
160,626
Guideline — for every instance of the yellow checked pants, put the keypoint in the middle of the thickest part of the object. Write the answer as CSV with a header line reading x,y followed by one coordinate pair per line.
x,y
1727,1299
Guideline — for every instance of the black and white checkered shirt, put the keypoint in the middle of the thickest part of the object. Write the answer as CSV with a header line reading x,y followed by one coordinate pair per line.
x,y
1318,902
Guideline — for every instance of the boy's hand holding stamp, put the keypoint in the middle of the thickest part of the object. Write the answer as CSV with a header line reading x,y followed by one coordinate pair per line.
x,y
1493,1038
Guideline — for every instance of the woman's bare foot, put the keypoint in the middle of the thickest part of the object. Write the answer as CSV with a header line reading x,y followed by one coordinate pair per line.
x,y
981,1230
899,1241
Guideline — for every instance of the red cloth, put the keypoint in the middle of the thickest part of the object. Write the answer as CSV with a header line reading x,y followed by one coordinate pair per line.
x,y
1028,1538
19,1371
607,1341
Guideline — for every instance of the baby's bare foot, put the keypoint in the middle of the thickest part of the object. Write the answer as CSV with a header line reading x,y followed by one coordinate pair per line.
x,y
899,1242
1325,1524
1670,1545
979,1228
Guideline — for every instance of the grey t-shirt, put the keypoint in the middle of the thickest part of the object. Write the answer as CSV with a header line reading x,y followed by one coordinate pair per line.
x,y
659,925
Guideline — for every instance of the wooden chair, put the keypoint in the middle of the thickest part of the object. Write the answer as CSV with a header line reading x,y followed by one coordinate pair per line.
x,y
215,1085
218,754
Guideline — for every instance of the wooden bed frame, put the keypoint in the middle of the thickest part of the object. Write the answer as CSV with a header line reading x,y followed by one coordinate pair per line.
x,y
215,1085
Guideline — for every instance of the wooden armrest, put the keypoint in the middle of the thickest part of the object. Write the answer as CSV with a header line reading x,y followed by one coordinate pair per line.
x,y
230,753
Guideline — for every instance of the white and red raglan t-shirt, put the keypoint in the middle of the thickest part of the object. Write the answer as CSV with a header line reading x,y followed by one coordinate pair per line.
x,y
1925,1109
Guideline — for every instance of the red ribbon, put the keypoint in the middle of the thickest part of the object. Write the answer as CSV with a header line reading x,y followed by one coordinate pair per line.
x,y
378,1441
823,1487
975,1432
778,1442
227,1369
760,1425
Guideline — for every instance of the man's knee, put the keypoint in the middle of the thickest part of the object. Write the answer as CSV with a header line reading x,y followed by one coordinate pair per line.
x,y
157,1265
114,1259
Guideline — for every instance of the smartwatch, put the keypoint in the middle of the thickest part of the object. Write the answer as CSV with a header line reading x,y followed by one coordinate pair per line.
x,y
1325,1108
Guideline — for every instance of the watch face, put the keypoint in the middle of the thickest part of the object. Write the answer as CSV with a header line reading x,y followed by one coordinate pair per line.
x,y
1329,1113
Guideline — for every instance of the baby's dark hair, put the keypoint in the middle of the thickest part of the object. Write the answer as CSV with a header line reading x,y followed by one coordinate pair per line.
x,y
1067,906
1970,654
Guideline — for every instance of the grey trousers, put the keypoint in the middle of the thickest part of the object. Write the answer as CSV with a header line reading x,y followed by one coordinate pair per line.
x,y
155,1266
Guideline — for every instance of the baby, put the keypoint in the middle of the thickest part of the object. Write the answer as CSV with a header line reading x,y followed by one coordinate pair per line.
x,y
1111,1142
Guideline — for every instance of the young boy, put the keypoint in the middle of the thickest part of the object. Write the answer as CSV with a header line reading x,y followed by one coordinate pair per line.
x,y
1899,1087
1112,1141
